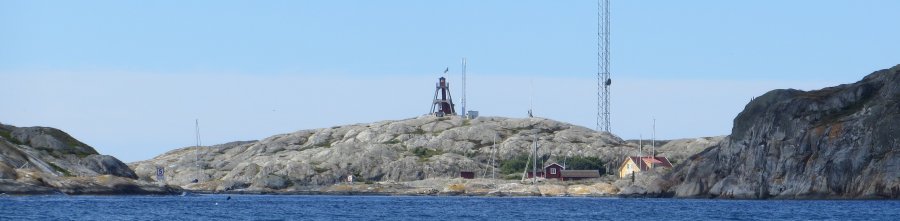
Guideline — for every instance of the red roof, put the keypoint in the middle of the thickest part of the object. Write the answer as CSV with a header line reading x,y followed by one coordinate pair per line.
x,y
651,162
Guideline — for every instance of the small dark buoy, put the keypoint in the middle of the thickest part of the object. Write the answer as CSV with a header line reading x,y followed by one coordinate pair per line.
x,y
228,198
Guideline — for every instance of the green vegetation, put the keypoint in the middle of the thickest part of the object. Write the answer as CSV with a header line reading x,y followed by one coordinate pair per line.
x,y
425,153
836,116
5,134
358,178
320,170
584,163
68,140
419,131
60,169
516,130
8,136
394,141
517,164
325,145
471,154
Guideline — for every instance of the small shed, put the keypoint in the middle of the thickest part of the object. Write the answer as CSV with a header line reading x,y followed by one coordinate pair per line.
x,y
580,174
467,174
553,171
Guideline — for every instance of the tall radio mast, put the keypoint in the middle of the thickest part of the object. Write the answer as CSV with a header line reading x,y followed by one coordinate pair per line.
x,y
603,79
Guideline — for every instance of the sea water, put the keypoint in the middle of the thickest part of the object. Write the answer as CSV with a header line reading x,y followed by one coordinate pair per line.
x,y
278,207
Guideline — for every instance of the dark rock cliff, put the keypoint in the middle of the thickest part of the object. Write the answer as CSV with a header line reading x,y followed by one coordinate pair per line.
x,y
837,142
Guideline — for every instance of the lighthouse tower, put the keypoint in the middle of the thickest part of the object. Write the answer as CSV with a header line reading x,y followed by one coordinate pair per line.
x,y
443,102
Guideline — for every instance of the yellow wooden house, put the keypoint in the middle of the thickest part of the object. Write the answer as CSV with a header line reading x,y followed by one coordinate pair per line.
x,y
639,164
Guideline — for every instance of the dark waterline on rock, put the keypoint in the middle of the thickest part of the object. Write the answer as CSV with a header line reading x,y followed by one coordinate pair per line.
x,y
256,207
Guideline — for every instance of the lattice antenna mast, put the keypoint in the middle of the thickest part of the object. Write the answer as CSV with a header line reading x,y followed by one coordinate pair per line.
x,y
603,78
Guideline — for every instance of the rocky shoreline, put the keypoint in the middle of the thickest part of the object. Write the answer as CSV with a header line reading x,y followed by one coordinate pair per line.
x,y
604,187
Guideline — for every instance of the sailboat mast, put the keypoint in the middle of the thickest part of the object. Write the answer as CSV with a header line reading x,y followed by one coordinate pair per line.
x,y
534,165
197,131
493,167
525,170
197,139
641,145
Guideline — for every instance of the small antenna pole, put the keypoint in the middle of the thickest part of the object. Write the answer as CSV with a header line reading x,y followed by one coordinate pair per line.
x,y
654,138
464,113
531,99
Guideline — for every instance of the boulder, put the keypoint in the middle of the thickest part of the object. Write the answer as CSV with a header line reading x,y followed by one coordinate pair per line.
x,y
107,165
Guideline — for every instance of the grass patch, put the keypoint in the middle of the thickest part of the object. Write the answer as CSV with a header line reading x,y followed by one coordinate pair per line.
x,y
325,145
8,136
60,169
320,170
69,140
471,154
848,110
419,131
516,130
82,155
424,153
394,141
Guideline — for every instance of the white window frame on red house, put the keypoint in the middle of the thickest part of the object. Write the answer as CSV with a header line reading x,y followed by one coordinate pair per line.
x,y
553,171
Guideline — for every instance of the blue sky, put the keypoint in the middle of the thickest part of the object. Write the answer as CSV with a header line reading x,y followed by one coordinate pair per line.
x,y
129,77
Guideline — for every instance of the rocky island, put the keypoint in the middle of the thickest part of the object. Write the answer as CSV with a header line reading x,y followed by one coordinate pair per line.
x,y
837,142
422,155
43,160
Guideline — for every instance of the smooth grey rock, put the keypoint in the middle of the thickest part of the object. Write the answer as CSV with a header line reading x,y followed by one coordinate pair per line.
x,y
380,151
41,160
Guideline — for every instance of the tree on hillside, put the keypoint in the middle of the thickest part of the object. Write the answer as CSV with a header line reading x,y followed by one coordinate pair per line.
x,y
585,163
